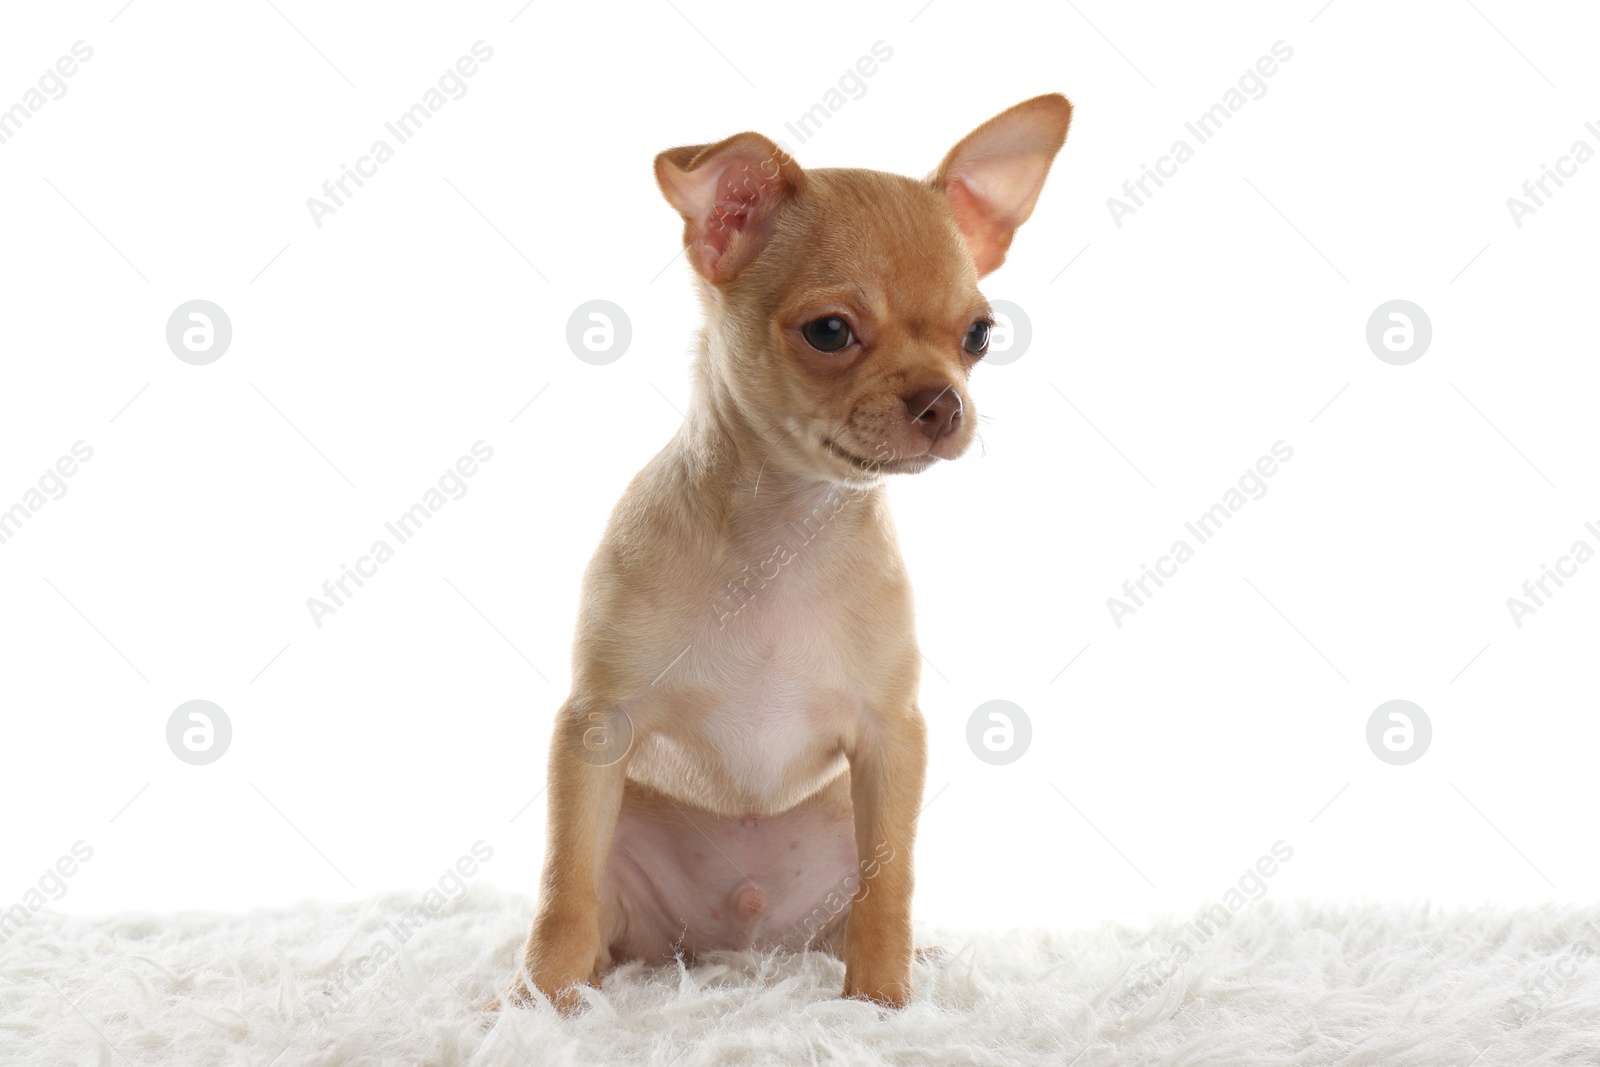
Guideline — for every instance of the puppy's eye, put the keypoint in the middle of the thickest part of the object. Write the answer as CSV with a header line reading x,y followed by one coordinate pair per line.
x,y
977,341
827,334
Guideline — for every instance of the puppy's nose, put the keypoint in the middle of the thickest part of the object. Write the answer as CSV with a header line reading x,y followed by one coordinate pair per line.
x,y
936,412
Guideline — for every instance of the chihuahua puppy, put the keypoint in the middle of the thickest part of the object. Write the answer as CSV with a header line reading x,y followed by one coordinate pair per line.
x,y
740,762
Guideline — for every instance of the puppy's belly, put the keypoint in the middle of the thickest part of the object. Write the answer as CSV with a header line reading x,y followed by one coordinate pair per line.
x,y
680,878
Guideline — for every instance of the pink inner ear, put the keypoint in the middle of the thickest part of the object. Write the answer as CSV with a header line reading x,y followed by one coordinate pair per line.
x,y
742,194
987,237
731,211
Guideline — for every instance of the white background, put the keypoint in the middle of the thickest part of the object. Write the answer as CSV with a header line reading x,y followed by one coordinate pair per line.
x,y
1168,353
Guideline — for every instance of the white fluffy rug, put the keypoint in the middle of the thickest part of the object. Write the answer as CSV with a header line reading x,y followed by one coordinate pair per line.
x,y
1281,984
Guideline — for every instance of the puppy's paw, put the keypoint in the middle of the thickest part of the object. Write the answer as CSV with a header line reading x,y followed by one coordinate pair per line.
x,y
887,992
559,966
561,992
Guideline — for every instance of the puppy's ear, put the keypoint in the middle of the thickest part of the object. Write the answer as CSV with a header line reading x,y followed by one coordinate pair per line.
x,y
993,177
727,194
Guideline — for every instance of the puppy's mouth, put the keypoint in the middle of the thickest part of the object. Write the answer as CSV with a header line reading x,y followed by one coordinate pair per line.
x,y
890,465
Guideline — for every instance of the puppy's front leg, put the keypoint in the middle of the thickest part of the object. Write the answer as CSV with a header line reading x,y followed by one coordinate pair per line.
x,y
588,761
887,769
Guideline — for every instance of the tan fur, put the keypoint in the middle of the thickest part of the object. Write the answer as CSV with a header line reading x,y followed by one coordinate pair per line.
x,y
745,696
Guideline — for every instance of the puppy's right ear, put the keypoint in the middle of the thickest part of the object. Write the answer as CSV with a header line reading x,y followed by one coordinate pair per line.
x,y
727,194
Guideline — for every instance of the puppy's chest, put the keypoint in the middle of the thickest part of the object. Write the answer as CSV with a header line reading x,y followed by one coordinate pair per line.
x,y
783,663
761,698
785,579
783,617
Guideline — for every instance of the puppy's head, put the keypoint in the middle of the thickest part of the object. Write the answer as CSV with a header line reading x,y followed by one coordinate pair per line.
x,y
844,316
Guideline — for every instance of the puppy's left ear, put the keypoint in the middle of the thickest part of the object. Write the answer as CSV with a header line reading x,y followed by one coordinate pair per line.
x,y
993,177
